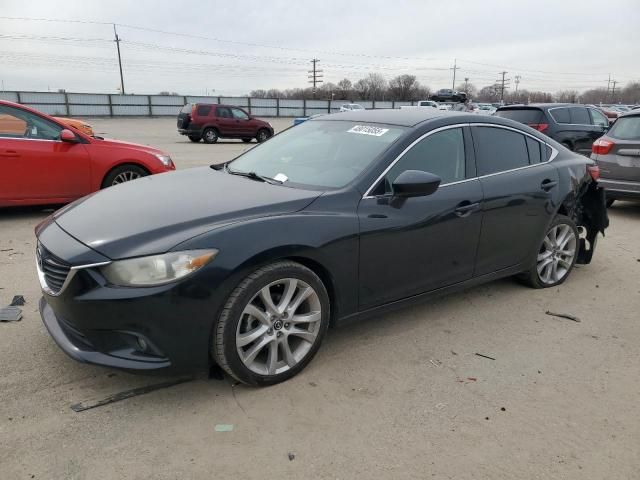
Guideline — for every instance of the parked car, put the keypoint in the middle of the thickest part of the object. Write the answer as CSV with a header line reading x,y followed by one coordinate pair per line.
x,y
209,122
351,107
246,264
617,154
574,126
44,162
444,107
77,124
10,124
486,109
606,111
448,95
427,103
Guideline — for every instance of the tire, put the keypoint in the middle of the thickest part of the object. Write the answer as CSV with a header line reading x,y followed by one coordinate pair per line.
x,y
276,333
210,135
122,174
246,140
543,273
610,202
195,138
263,135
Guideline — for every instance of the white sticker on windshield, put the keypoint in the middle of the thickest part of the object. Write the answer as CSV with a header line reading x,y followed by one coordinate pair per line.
x,y
368,130
281,177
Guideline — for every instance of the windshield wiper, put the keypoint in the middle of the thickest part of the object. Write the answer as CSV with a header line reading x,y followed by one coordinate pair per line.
x,y
253,176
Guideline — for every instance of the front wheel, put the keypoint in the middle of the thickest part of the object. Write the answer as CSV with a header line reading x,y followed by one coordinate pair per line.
x,y
556,256
263,135
272,324
123,174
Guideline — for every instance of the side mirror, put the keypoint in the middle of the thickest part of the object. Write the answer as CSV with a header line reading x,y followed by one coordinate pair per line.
x,y
68,136
415,183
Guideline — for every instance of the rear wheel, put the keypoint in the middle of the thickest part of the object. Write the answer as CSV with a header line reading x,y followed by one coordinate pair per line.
x,y
556,256
272,324
263,135
195,138
210,135
122,174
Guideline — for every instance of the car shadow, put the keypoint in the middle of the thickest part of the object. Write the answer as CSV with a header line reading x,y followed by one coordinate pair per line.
x,y
26,213
625,209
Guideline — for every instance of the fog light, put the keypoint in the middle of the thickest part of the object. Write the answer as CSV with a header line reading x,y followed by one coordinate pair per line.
x,y
142,344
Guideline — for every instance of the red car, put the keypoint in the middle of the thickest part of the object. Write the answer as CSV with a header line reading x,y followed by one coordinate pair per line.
x,y
209,122
44,162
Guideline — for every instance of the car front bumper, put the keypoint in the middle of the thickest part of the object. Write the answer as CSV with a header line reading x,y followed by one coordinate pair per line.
x,y
165,328
620,189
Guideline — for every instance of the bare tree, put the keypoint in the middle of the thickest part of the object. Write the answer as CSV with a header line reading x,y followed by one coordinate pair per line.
x,y
404,87
567,96
468,88
344,89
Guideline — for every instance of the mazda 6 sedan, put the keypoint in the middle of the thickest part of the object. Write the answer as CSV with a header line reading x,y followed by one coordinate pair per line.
x,y
246,264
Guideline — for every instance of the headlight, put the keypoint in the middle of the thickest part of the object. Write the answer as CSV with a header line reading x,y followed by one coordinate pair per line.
x,y
165,159
156,269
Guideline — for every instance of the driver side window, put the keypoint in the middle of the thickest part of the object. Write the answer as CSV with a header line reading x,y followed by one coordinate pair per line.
x,y
16,123
239,114
441,153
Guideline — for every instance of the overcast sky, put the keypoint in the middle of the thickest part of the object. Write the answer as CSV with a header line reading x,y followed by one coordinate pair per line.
x,y
235,46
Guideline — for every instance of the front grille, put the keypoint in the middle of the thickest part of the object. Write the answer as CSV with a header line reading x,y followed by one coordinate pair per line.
x,y
55,270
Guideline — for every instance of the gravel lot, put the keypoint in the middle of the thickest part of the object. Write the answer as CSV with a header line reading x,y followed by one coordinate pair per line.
x,y
401,396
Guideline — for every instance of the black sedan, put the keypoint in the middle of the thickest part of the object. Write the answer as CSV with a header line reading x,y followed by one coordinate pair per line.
x,y
247,264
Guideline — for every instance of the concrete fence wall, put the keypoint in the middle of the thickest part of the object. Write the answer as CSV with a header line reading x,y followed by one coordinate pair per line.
x,y
114,105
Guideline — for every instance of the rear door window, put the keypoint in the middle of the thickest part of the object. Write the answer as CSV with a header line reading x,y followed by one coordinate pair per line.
x,y
203,110
560,115
535,150
499,149
528,116
223,112
579,116
239,114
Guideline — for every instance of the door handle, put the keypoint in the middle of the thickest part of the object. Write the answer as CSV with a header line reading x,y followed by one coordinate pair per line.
x,y
547,184
9,154
466,208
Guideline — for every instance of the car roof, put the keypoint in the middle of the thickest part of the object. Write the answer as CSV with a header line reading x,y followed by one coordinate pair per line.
x,y
630,113
401,117
541,106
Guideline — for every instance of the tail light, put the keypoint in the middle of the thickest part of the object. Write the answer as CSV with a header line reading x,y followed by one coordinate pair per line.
x,y
541,127
594,171
602,146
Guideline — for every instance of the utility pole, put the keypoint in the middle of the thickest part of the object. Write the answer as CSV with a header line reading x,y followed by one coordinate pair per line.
x,y
117,40
454,68
503,86
315,75
466,85
613,90
518,77
608,85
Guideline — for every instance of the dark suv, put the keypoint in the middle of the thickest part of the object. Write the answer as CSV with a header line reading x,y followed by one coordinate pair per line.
x,y
575,126
210,122
448,95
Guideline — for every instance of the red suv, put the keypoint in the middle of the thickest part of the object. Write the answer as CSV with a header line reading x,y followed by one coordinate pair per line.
x,y
44,162
210,122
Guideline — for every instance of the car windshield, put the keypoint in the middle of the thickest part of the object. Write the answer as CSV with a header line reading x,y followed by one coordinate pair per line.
x,y
626,128
319,153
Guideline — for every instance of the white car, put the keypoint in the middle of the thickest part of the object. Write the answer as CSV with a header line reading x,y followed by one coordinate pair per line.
x,y
350,107
427,103
485,109
444,106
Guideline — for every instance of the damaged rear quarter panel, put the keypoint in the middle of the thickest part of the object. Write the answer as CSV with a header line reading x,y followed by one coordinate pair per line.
x,y
583,202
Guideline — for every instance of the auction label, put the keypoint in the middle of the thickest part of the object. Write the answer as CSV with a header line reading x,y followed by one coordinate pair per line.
x,y
368,130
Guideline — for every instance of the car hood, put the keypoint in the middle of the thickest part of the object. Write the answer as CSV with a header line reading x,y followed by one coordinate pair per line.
x,y
155,213
108,142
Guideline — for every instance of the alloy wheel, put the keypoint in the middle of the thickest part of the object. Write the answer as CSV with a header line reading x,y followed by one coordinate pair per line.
x,y
279,326
556,254
125,176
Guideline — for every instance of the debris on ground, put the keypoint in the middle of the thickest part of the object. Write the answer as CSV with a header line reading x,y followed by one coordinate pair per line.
x,y
436,363
485,356
18,301
453,353
472,379
81,407
291,456
502,409
224,427
563,315
6,249
10,314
